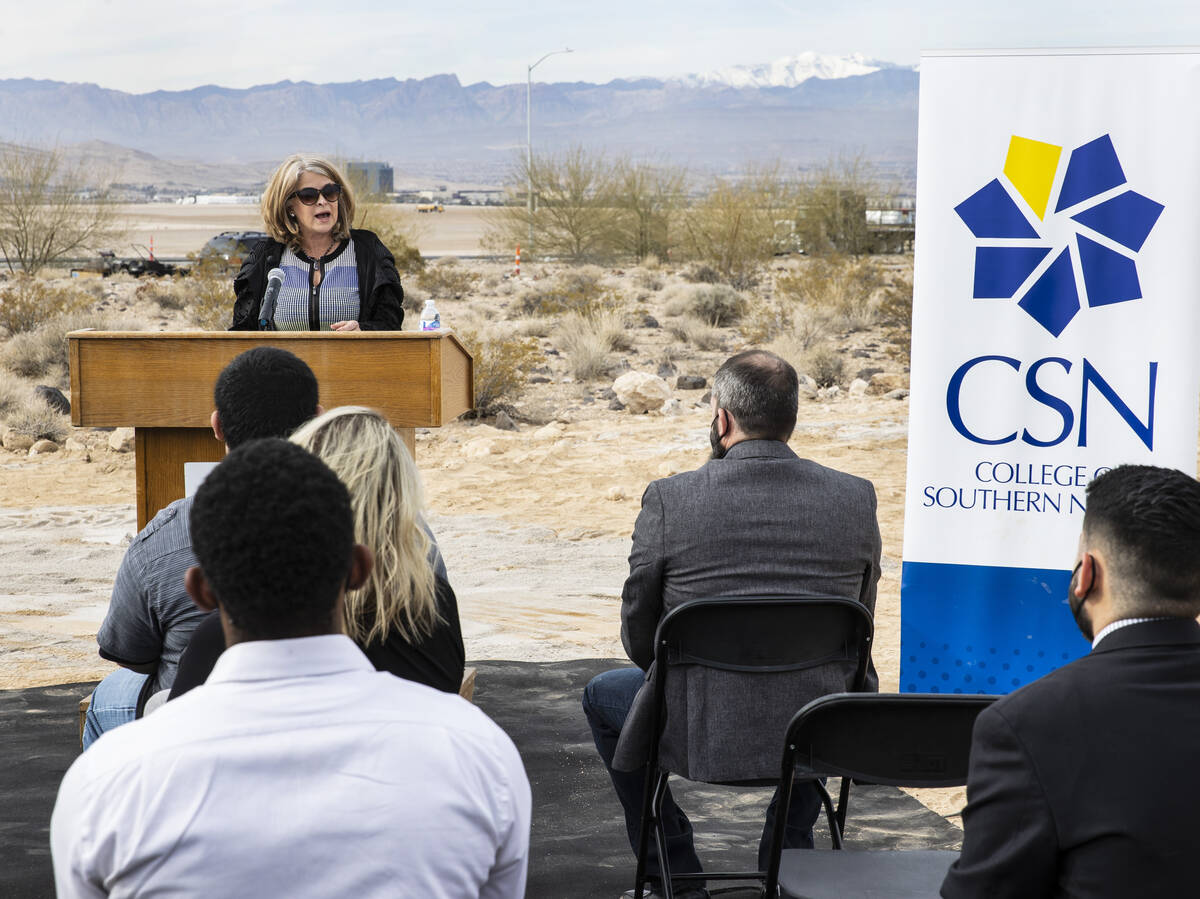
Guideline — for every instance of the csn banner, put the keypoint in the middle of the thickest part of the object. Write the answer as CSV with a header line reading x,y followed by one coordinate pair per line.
x,y
1055,331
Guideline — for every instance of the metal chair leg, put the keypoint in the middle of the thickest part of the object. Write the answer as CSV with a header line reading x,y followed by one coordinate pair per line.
x,y
660,837
644,832
843,803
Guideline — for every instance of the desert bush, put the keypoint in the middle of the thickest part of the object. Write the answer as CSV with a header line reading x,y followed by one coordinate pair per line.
x,y
14,393
699,334
446,279
502,365
208,297
824,365
651,262
408,258
586,341
534,327
649,279
895,314
577,289
700,273
845,288
38,420
166,293
43,352
414,300
26,302
718,304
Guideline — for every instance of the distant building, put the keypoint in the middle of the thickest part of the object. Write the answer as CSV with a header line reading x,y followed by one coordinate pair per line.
x,y
374,177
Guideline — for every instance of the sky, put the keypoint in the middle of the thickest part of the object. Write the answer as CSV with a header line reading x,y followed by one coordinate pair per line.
x,y
141,46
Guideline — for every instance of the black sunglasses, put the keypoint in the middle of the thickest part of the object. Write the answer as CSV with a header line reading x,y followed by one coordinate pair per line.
x,y
308,195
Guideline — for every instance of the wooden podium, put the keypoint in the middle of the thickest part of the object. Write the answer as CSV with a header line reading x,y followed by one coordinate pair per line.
x,y
161,384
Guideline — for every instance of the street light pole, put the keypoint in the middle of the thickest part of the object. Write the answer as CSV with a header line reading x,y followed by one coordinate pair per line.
x,y
529,135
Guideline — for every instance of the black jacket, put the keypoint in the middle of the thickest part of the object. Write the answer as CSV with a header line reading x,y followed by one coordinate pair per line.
x,y
1084,783
381,297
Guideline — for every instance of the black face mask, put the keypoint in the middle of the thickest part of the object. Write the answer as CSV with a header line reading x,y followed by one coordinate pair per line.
x,y
1083,623
714,438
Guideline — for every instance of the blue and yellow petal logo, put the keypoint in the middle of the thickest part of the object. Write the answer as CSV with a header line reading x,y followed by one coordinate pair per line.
x,y
1108,230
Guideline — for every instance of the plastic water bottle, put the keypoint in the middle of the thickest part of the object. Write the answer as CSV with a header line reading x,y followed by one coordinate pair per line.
x,y
430,319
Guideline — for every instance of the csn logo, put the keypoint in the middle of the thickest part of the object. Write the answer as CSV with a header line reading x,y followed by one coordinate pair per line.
x,y
1023,254
1106,229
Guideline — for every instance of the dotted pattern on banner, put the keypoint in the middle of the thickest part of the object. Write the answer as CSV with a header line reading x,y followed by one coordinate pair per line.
x,y
947,668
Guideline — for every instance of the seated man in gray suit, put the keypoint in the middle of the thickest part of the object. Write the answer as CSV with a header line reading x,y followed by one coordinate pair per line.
x,y
754,520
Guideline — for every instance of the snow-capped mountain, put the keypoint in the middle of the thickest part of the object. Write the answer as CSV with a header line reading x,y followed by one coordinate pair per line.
x,y
789,71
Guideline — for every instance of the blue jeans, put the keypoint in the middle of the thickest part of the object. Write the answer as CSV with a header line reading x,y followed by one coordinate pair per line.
x,y
114,703
606,702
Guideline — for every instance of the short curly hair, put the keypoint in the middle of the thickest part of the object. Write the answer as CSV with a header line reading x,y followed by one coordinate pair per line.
x,y
264,392
273,532
274,203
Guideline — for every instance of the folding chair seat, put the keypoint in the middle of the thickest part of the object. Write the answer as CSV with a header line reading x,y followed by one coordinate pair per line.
x,y
903,740
742,642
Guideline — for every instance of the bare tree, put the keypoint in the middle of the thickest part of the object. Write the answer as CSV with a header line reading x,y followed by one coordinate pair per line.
x,y
646,201
572,216
49,208
832,217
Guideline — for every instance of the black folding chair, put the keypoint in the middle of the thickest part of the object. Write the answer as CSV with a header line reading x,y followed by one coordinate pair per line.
x,y
759,635
903,740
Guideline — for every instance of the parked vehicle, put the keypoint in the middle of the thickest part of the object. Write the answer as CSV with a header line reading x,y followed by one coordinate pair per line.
x,y
229,248
430,207
108,263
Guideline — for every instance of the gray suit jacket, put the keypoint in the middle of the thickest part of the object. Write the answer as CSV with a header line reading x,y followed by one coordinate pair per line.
x,y
761,521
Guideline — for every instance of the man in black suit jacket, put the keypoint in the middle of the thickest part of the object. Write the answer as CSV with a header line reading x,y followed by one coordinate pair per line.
x,y
755,520
1086,782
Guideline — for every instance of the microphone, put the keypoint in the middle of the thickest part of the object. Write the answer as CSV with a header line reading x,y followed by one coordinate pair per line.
x,y
267,310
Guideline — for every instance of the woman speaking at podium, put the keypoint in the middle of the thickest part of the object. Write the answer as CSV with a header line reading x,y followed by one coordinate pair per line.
x,y
315,272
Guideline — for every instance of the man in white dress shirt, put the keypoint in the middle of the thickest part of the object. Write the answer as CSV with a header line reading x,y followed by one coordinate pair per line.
x,y
297,770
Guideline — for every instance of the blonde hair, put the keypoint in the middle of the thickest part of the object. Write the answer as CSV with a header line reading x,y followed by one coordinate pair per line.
x,y
279,190
369,457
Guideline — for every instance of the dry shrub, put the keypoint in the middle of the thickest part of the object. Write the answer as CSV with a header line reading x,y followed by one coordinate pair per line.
x,y
502,365
717,304
26,301
825,366
586,341
649,278
42,353
843,287
699,334
701,273
15,392
895,314
38,420
446,279
576,289
651,262
534,327
208,298
166,293
408,258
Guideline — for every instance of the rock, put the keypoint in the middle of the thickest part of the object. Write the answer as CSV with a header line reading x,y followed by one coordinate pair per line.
x,y
551,431
805,379
503,422
614,494
861,354
587,400
18,443
828,393
667,469
607,394
650,322
858,387
54,398
808,390
898,394
867,373
552,352
882,384
690,382
671,407
480,447
616,406
42,447
641,391
75,446
706,399
666,370
539,379
121,440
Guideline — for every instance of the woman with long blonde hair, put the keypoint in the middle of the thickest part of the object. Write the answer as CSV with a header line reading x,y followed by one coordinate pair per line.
x,y
405,618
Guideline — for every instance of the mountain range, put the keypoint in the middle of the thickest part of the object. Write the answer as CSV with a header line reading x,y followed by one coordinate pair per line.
x,y
800,111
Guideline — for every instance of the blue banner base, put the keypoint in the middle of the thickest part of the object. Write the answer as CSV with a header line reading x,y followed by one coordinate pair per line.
x,y
983,629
